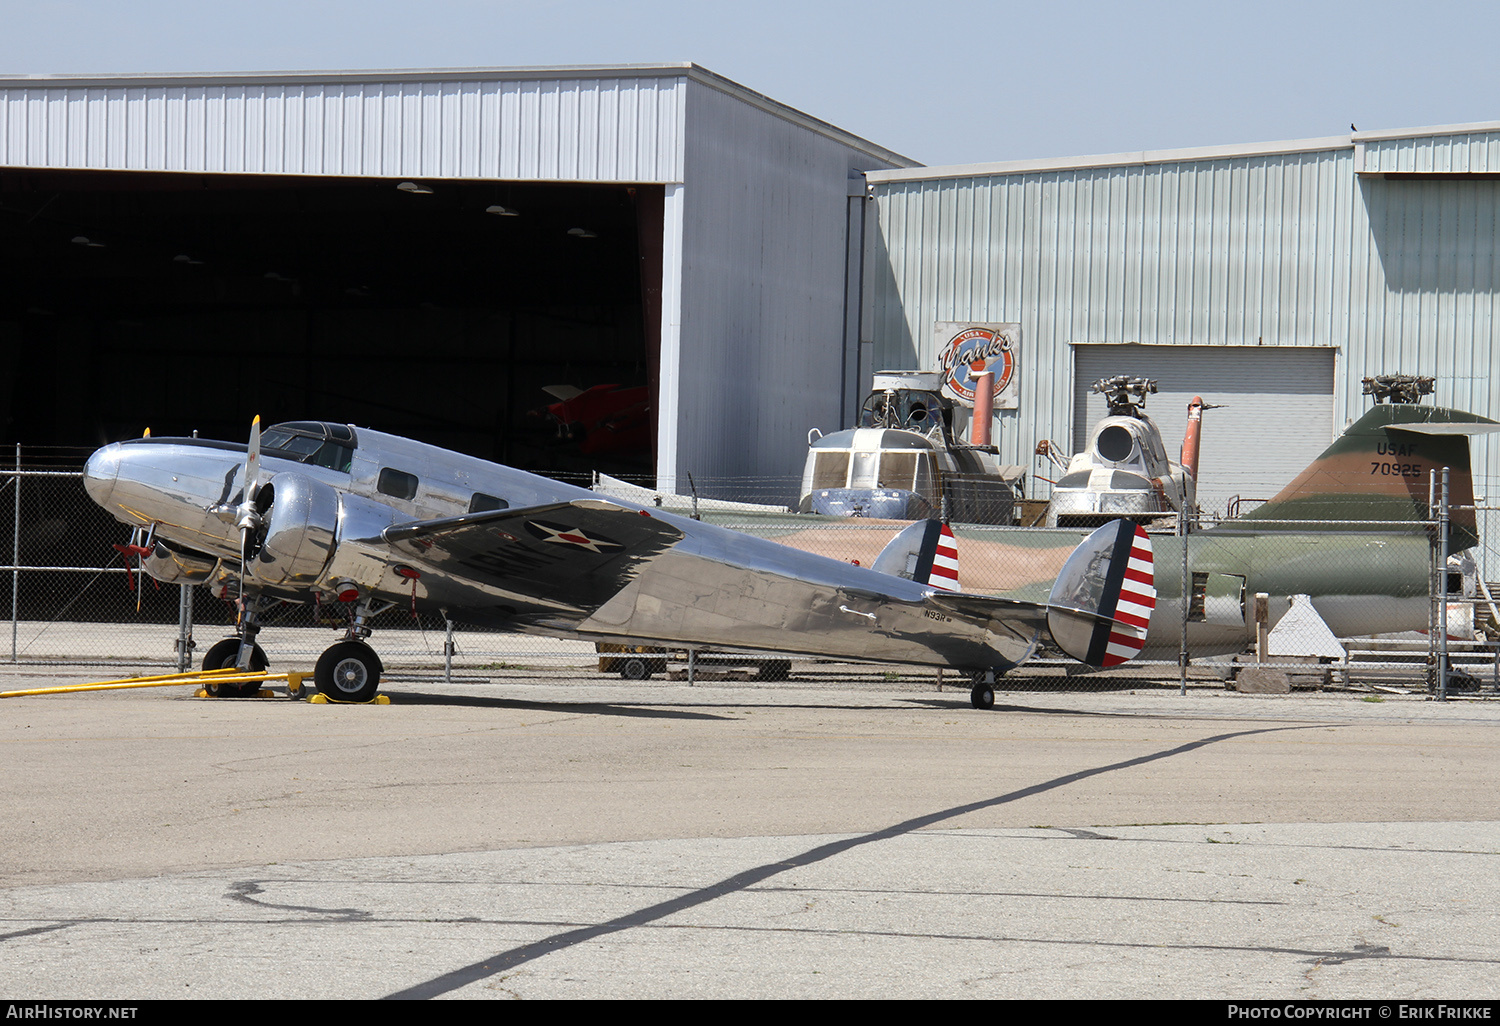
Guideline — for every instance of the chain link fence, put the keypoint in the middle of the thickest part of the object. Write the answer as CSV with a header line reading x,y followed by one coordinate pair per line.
x,y
1348,605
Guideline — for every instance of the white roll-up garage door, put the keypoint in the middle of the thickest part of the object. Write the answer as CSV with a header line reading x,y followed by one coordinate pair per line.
x,y
1277,413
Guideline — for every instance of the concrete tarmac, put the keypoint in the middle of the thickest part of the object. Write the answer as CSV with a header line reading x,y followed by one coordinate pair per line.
x,y
532,838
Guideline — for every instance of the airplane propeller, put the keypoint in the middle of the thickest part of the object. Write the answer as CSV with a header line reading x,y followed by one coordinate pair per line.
x,y
141,541
246,516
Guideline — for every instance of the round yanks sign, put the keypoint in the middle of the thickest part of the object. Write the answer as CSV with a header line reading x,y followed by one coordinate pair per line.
x,y
970,353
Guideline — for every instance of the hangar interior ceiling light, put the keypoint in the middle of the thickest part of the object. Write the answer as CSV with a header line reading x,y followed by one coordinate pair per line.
x,y
499,211
415,189
582,233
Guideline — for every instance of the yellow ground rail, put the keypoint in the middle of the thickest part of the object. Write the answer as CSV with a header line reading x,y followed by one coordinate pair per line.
x,y
228,676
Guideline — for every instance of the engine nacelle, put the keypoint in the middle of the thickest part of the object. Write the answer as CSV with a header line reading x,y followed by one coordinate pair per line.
x,y
300,531
174,566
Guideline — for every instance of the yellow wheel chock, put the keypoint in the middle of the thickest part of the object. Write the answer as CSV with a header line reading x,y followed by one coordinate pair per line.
x,y
294,683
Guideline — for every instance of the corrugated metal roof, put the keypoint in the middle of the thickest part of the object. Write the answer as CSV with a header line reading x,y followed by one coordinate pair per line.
x,y
1446,149
596,123
1134,158
552,129
1471,147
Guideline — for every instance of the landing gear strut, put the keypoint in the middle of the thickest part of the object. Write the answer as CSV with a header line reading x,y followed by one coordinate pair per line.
x,y
982,696
223,655
239,652
349,671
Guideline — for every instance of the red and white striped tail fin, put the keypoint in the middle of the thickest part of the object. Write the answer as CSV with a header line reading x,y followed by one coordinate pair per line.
x,y
1100,608
944,574
925,552
1133,608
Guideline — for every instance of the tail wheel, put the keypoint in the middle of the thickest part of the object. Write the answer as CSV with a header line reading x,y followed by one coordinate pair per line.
x,y
982,693
222,655
348,672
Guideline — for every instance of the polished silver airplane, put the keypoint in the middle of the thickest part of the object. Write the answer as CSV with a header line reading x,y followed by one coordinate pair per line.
x,y
313,511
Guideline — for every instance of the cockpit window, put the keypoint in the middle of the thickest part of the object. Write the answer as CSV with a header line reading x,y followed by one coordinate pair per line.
x,y
831,469
322,445
898,469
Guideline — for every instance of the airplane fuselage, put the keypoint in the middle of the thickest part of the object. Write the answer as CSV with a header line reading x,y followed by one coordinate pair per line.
x,y
327,535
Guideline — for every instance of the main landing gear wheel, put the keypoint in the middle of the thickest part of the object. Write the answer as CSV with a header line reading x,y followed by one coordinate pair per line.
x,y
983,696
221,656
348,672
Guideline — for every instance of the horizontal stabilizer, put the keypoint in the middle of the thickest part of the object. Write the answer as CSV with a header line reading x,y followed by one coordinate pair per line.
x,y
1101,605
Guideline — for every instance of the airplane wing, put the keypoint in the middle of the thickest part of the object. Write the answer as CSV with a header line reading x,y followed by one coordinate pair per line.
x,y
575,554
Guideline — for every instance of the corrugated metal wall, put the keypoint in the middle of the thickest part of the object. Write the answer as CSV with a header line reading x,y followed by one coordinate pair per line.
x,y
1286,248
544,128
763,284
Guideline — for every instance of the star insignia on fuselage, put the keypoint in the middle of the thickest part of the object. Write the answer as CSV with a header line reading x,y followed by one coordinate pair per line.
x,y
562,535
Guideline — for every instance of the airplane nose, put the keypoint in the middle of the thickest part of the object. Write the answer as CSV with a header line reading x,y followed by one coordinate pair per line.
x,y
100,473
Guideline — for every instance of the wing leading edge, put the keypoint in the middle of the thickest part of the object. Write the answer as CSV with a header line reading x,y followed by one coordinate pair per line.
x,y
575,555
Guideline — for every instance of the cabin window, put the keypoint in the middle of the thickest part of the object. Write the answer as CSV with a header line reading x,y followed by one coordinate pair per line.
x,y
831,470
481,503
898,469
397,484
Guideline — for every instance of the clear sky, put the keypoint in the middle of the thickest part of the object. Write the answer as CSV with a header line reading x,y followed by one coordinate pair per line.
x,y
941,81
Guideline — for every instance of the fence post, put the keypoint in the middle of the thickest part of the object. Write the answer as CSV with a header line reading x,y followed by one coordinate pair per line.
x,y
448,652
1182,652
15,559
184,626
1442,579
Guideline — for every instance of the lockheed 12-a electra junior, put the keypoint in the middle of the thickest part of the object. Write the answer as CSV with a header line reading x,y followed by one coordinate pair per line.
x,y
314,511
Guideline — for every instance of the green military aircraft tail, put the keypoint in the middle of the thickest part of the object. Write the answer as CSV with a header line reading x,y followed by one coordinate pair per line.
x,y
1378,472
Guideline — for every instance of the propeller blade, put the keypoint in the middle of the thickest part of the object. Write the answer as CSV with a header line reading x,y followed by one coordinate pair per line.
x,y
252,460
249,519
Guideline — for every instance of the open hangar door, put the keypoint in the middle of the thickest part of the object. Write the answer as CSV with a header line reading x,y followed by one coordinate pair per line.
x,y
1276,412
440,310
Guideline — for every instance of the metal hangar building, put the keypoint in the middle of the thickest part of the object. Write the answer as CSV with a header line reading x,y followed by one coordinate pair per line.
x,y
431,252
426,252
1271,279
